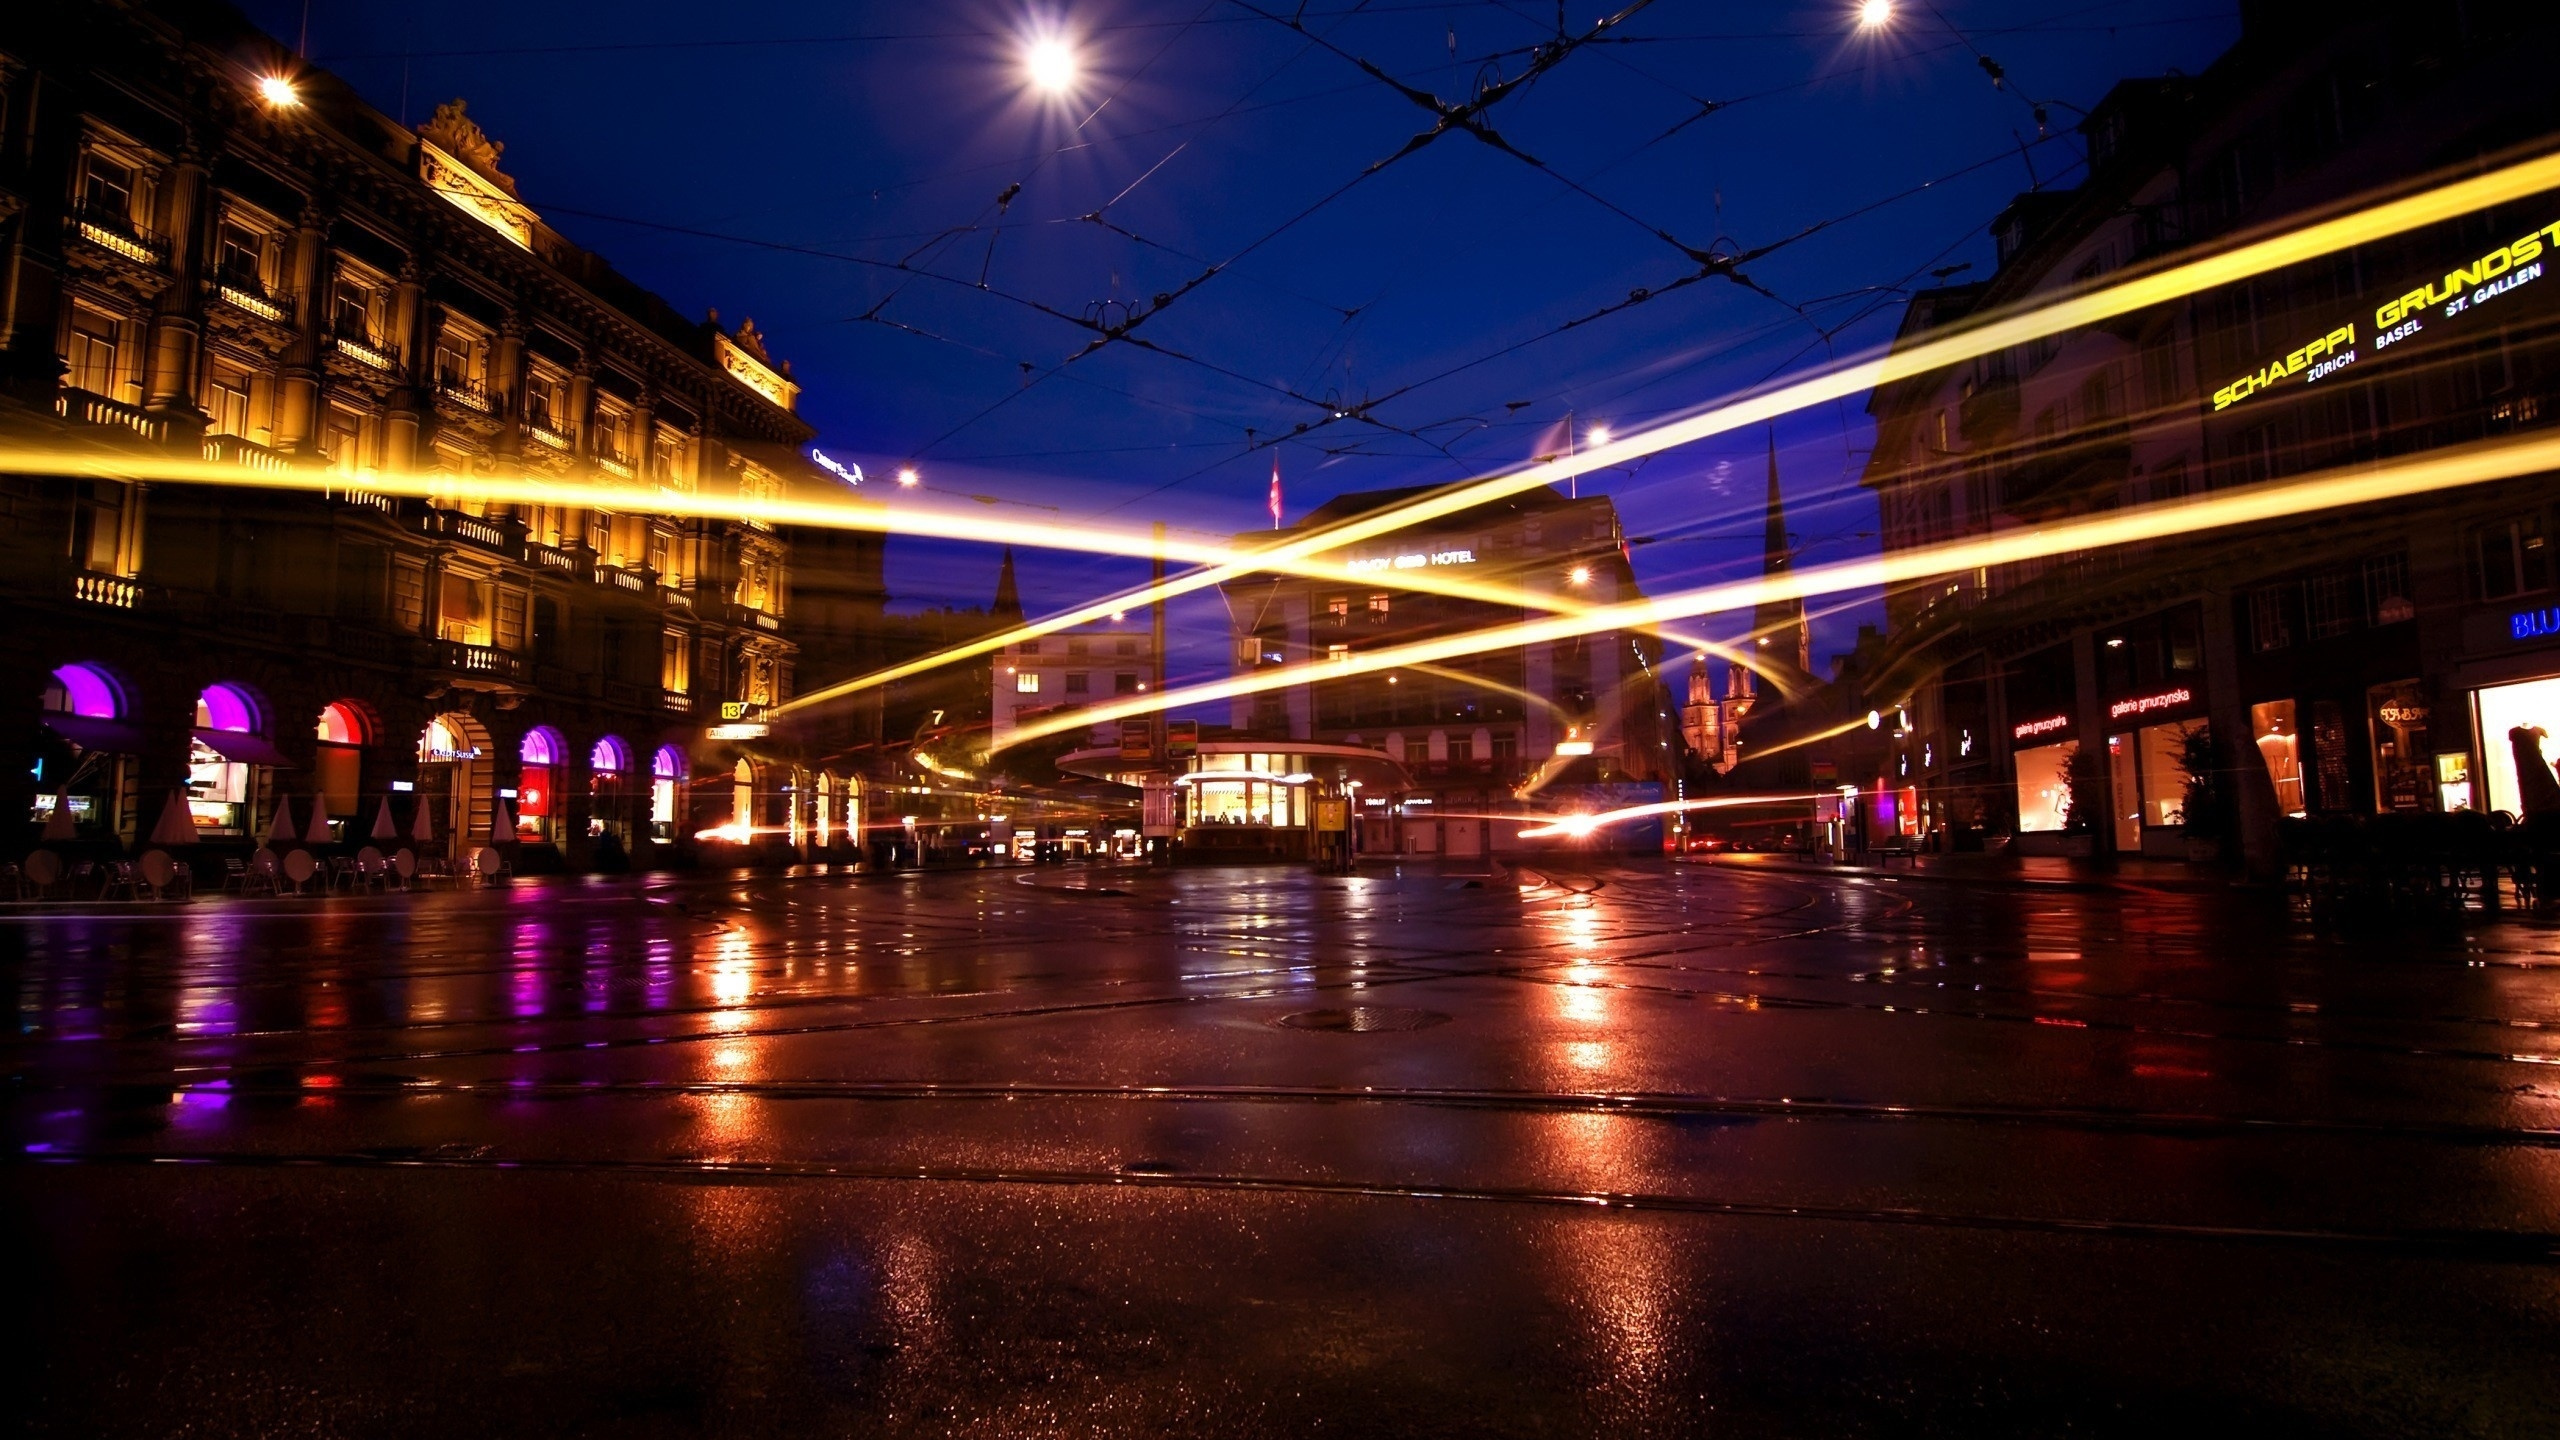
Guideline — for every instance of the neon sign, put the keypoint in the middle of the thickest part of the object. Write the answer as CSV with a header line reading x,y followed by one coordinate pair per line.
x,y
2510,266
2029,729
2534,624
849,474
1413,561
2145,704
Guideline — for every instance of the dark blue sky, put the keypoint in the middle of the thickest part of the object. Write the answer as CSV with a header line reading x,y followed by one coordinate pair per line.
x,y
887,132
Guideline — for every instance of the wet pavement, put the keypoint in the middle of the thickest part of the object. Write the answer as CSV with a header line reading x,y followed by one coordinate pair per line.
x,y
1644,1151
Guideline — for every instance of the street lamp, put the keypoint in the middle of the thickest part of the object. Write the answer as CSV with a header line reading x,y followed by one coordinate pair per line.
x,y
1051,64
1579,575
908,478
278,92
1874,14
1598,435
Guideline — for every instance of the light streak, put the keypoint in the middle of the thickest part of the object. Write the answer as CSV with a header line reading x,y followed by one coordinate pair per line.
x,y
2394,480
1963,342
1580,825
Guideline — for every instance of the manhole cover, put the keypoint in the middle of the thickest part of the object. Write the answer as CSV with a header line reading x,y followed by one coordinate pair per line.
x,y
1363,1019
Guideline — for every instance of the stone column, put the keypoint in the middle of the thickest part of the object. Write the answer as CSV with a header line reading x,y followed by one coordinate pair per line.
x,y
506,385
177,320
298,413
404,433
582,411
2093,743
2251,791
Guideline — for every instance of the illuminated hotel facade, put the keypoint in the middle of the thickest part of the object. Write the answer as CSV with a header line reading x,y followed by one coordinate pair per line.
x,y
2375,660
312,289
1478,736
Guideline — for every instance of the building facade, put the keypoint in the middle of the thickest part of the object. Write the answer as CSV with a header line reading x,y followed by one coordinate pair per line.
x,y
1479,736
2373,660
215,253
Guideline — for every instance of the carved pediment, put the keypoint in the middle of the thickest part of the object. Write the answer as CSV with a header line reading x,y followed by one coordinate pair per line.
x,y
461,137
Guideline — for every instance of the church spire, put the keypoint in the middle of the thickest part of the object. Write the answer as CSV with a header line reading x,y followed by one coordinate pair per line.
x,y
1008,592
1778,628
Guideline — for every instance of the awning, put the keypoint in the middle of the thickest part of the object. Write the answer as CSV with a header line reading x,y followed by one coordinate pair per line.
x,y
91,732
241,747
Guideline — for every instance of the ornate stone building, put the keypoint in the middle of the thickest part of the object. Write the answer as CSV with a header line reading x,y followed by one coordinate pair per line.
x,y
210,251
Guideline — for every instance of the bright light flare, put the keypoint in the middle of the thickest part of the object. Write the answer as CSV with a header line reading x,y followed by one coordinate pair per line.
x,y
1580,575
278,91
1599,435
1874,14
908,478
1051,65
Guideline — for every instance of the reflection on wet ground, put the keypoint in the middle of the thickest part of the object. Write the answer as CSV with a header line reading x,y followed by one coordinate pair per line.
x,y
1650,1150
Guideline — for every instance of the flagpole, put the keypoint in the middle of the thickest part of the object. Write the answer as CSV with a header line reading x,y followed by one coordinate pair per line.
x,y
1573,482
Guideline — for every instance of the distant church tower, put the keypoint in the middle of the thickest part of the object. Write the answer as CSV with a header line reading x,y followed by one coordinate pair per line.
x,y
1781,642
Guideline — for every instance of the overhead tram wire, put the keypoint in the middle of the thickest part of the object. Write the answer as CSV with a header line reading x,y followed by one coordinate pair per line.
x,y
1642,295
2168,281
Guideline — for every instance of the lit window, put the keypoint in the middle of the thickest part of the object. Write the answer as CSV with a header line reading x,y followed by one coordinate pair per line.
x,y
1027,682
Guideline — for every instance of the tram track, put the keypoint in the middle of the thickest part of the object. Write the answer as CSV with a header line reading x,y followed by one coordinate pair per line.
x,y
2461,1244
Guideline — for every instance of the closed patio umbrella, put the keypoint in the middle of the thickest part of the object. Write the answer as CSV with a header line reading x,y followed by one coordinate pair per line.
x,y
280,830
319,832
502,826
384,828
176,826
57,826
422,826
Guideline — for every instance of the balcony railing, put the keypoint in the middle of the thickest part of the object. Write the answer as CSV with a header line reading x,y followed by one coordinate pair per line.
x,y
630,580
547,435
236,450
677,701
468,659
615,465
364,349
247,292
467,393
471,528
551,557
112,590
111,227
86,408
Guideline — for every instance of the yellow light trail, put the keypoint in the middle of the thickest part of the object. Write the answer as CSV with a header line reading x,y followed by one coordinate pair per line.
x,y
844,513
2394,480
1965,342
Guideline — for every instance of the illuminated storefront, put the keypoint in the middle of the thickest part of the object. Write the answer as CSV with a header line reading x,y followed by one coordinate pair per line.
x,y
1254,798
666,787
228,762
608,804
2507,717
537,783
85,770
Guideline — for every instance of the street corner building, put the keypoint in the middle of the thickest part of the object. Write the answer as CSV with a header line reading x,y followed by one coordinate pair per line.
x,y
1484,745
215,252
2372,661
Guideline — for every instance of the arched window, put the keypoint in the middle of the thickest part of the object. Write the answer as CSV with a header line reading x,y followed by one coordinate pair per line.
x,y
338,764
742,795
227,707
542,746
343,724
610,756
537,782
666,772
826,798
438,742
84,690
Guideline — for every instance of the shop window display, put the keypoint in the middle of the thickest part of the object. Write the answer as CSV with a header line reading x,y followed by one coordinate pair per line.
x,y
2279,739
2403,760
2044,787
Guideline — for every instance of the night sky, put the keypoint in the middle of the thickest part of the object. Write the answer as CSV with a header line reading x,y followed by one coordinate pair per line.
x,y
799,141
